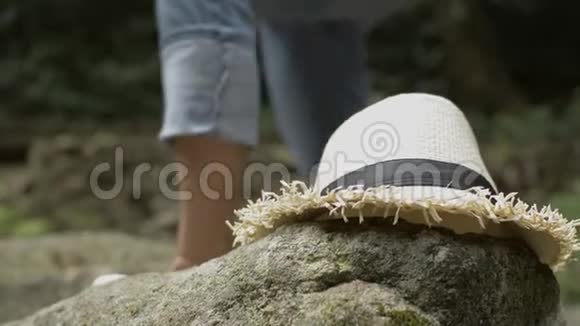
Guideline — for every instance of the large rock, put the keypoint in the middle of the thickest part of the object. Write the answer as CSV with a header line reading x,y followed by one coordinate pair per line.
x,y
332,273
38,272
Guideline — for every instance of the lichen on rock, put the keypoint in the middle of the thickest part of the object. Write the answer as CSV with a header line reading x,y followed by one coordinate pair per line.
x,y
334,273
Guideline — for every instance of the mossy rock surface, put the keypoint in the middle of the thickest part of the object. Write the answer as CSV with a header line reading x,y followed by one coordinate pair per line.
x,y
333,273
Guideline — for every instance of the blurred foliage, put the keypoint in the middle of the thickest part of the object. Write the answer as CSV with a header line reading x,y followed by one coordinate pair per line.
x,y
544,124
485,55
72,57
569,205
76,57
534,152
569,284
16,223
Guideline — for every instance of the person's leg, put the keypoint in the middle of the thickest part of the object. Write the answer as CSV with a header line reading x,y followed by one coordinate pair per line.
x,y
211,88
317,77
202,232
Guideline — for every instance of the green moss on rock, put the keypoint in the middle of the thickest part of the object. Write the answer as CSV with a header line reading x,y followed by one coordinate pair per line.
x,y
406,318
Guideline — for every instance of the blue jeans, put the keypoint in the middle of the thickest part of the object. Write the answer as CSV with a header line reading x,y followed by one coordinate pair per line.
x,y
314,69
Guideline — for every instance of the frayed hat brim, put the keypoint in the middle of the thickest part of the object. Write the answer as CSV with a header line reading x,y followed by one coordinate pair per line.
x,y
297,202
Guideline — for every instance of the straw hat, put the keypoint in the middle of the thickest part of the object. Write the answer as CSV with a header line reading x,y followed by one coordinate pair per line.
x,y
410,157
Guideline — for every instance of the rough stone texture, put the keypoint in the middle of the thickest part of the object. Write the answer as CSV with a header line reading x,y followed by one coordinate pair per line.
x,y
332,273
37,272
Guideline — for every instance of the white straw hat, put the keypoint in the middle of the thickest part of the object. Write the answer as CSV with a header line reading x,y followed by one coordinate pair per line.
x,y
412,157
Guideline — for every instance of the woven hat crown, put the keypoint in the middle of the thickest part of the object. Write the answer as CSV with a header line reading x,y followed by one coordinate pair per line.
x,y
407,126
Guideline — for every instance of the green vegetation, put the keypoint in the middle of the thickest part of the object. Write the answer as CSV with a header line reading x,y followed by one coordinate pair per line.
x,y
569,205
569,284
15,223
76,58
406,318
